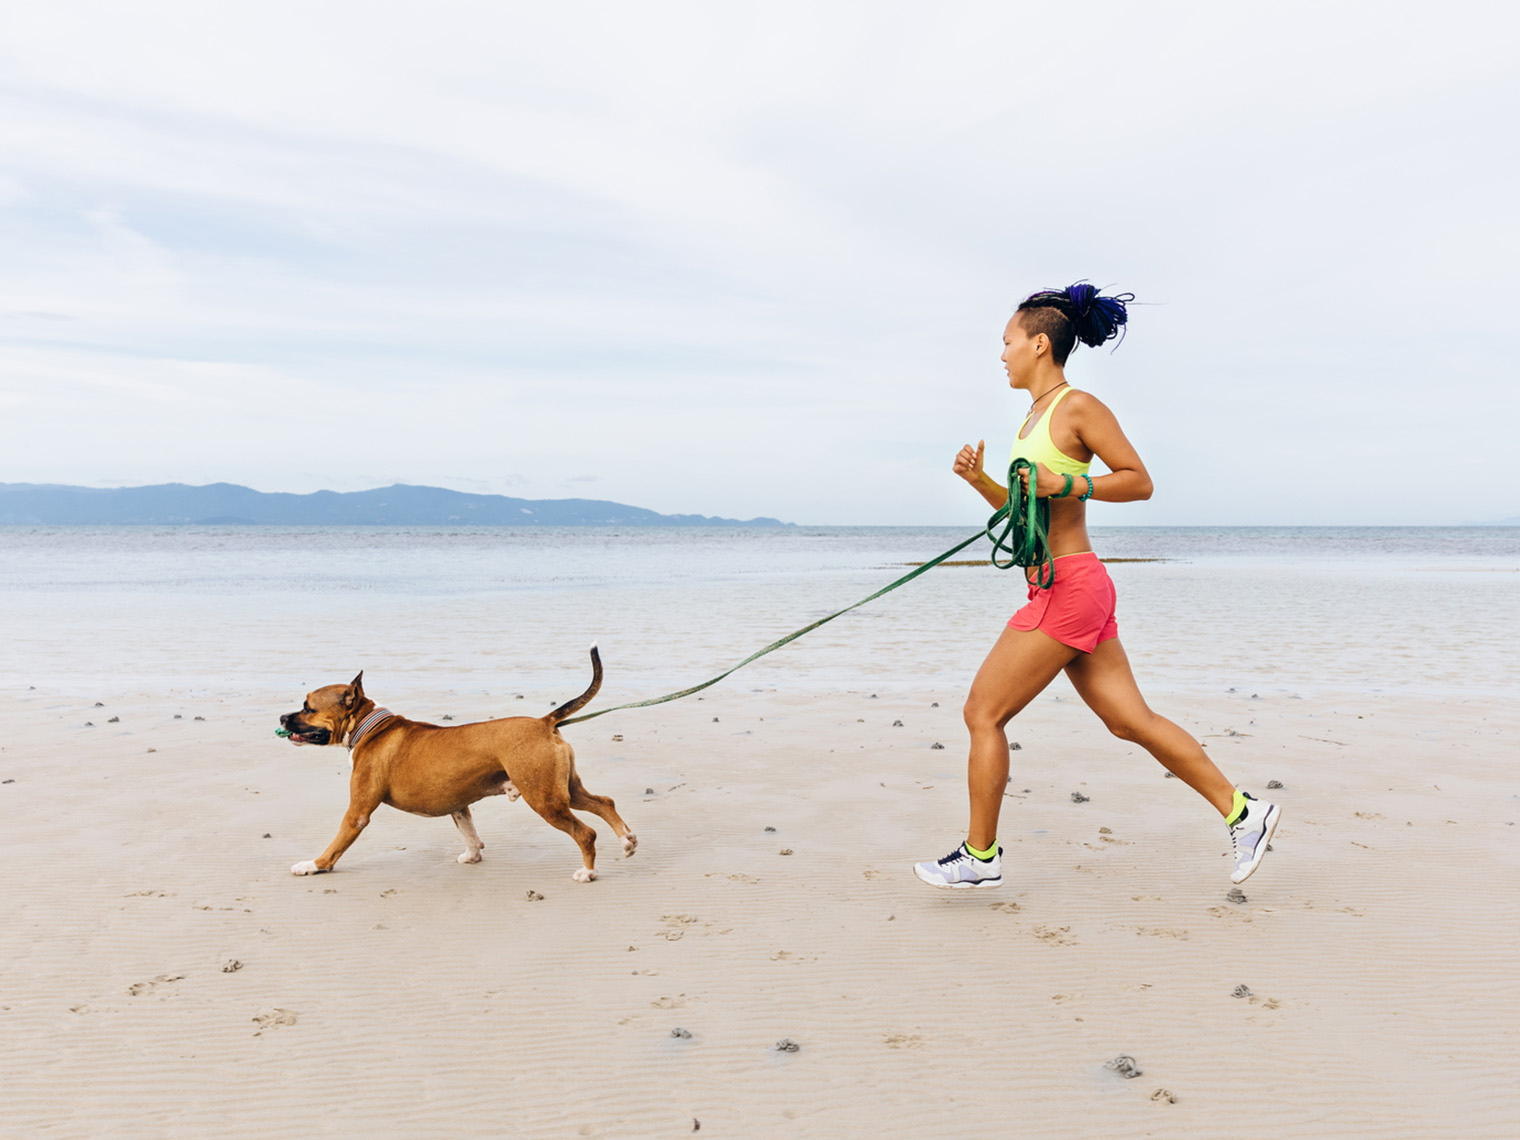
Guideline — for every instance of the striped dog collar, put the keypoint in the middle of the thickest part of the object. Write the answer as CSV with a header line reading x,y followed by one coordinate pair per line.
x,y
367,725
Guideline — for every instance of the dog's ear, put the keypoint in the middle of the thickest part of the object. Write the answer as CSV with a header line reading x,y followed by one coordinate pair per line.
x,y
357,684
355,692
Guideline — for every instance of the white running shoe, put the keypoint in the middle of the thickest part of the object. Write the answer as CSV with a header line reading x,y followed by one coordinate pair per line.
x,y
1250,834
960,869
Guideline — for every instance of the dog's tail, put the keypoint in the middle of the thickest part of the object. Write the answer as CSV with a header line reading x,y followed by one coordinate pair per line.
x,y
580,702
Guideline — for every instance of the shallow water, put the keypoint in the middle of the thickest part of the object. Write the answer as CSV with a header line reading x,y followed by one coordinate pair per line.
x,y
507,609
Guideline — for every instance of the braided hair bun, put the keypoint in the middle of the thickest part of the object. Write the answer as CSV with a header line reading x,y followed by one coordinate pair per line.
x,y
1078,312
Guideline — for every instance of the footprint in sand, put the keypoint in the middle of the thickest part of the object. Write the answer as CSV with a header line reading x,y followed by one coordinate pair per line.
x,y
676,1002
1162,932
903,1041
675,926
1229,913
1005,907
1054,935
138,989
273,1019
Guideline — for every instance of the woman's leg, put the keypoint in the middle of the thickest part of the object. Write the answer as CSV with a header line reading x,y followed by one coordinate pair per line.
x,y
1020,665
1103,679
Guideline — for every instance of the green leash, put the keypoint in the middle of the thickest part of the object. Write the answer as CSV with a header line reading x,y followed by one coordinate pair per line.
x,y
1023,539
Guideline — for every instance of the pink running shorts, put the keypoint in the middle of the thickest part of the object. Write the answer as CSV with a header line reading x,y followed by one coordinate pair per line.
x,y
1078,609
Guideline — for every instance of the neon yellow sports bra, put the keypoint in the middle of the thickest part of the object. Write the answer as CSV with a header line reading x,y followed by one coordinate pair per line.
x,y
1038,447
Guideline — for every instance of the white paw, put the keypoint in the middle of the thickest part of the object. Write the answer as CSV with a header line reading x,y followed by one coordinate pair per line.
x,y
469,856
306,867
630,844
584,875
512,792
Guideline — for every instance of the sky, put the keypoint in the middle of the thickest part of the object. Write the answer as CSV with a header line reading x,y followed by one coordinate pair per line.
x,y
748,260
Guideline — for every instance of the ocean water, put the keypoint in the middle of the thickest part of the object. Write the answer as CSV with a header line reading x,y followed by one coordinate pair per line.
x,y
502,610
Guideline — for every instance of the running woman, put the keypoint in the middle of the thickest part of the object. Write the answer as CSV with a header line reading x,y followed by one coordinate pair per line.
x,y
1070,625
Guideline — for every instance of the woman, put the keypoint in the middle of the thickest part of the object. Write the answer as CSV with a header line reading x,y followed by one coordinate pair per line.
x,y
1070,625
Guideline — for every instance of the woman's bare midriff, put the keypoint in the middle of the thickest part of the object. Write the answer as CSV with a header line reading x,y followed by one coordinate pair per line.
x,y
1068,529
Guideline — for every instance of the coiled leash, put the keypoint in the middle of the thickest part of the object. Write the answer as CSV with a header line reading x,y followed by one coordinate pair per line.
x,y
1026,533
1024,539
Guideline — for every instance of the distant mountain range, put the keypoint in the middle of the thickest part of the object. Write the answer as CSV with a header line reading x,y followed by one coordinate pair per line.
x,y
227,504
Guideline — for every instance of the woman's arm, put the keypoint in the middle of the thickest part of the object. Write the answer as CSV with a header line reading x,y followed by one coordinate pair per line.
x,y
968,465
1128,481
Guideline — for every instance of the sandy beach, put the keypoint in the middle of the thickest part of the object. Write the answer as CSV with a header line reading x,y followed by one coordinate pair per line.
x,y
162,974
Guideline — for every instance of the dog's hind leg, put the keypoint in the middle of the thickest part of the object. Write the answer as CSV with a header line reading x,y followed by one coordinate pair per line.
x,y
466,824
582,800
556,813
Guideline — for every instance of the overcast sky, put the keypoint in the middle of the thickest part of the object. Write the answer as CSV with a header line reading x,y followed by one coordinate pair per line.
x,y
756,259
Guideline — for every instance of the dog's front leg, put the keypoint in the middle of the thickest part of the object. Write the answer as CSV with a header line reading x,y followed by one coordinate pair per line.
x,y
355,820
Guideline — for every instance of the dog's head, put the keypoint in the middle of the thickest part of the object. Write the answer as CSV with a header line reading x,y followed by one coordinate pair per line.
x,y
328,714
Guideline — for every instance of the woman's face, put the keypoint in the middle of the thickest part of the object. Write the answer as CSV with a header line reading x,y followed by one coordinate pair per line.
x,y
1020,354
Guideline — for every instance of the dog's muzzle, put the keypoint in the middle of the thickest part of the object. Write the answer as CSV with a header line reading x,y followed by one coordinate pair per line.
x,y
298,733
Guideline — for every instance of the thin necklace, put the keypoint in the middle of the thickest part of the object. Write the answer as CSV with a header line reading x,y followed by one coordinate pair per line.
x,y
1043,394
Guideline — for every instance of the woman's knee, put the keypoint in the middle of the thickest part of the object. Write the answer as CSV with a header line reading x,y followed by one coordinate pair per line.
x,y
983,715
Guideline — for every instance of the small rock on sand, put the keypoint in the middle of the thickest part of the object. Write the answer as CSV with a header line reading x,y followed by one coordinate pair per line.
x,y
937,745
1125,1066
534,896
1273,785
231,966
1079,798
1235,895
1165,1096
1241,991
683,1034
786,1044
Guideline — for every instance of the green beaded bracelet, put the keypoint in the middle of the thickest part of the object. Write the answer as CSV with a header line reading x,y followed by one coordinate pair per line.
x,y
1084,498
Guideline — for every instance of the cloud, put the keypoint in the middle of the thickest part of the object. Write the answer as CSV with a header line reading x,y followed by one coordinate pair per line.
x,y
751,262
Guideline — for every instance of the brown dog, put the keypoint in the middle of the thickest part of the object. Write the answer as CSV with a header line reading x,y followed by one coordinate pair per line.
x,y
428,770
